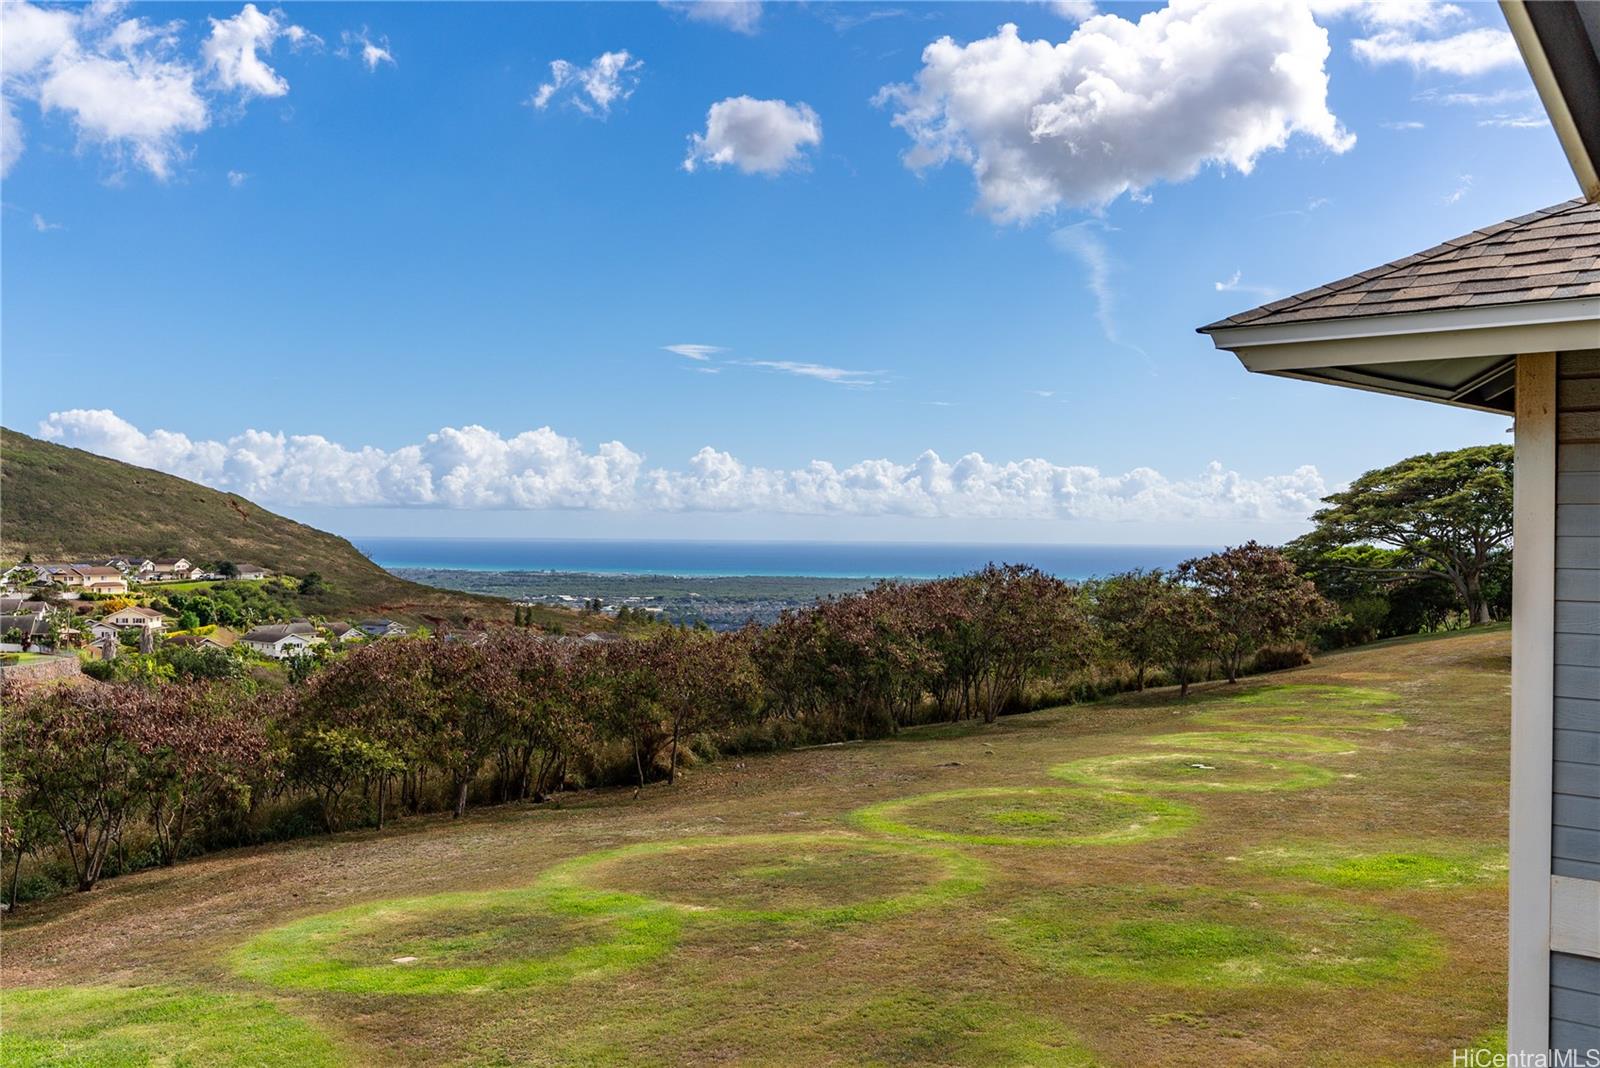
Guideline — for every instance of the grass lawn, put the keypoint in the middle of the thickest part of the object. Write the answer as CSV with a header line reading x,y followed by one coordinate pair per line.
x,y
22,658
1306,870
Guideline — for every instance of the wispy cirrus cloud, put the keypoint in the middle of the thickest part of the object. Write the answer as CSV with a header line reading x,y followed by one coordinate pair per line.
x,y
694,352
473,467
839,376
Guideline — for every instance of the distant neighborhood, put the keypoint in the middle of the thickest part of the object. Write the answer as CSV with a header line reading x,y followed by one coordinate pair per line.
x,y
99,609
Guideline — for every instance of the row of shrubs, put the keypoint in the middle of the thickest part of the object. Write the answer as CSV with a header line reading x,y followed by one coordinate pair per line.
x,y
110,777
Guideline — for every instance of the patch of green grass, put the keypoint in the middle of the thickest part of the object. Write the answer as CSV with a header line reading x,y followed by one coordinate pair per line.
x,y
1315,695
1028,816
1296,706
462,942
1243,741
1193,772
1415,867
114,1027
917,1028
1214,938
779,878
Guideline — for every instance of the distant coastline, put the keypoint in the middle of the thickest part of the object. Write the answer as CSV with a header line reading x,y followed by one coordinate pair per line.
x,y
721,584
864,561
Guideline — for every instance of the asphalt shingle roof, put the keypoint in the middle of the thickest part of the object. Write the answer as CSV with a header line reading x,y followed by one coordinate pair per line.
x,y
1552,254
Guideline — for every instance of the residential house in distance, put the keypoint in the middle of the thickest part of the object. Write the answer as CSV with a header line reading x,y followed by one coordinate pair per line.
x,y
25,633
250,572
216,638
343,632
135,616
381,628
102,578
16,604
176,570
99,629
281,641
65,575
1507,319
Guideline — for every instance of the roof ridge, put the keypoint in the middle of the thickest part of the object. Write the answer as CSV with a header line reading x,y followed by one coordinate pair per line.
x,y
1452,245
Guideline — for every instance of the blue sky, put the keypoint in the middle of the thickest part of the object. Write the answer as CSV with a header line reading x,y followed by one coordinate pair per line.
x,y
334,232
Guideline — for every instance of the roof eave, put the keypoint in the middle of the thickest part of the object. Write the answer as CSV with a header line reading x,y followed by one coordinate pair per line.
x,y
1561,58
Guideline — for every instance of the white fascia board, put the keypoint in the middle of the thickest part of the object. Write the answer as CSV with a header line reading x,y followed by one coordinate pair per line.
x,y
1502,330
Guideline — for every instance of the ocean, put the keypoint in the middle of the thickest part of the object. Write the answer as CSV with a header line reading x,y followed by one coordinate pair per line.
x,y
911,560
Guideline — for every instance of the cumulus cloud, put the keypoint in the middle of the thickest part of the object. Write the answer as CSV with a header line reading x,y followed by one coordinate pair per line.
x,y
473,467
740,16
1119,105
371,53
237,178
120,83
757,136
592,89
125,84
1076,10
234,51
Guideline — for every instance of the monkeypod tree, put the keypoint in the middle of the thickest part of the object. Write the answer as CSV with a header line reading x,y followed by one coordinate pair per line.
x,y
1256,598
1447,513
1128,610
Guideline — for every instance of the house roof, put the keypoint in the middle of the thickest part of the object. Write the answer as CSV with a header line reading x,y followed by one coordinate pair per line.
x,y
1550,254
277,632
135,610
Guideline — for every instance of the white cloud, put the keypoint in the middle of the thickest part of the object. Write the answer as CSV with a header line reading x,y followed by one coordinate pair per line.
x,y
1408,124
1392,14
1463,186
1119,105
11,138
1083,241
608,78
839,376
1476,100
237,178
1531,121
1467,53
473,467
756,136
43,225
371,53
741,16
1076,10
233,52
1236,284
695,352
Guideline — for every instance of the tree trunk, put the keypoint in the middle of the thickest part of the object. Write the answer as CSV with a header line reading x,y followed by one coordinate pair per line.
x,y
461,799
672,765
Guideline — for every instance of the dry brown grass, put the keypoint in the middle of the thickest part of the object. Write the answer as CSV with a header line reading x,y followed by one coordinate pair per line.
x,y
935,985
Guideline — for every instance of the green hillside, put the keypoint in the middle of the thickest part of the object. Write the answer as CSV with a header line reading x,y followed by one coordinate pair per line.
x,y
58,502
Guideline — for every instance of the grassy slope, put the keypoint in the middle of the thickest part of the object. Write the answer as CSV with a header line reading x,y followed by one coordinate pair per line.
x,y
60,502
1058,959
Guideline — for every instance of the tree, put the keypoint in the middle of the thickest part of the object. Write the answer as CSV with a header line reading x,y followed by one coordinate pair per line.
x,y
1257,599
1125,607
200,747
228,569
72,750
703,681
312,584
1448,513
1188,630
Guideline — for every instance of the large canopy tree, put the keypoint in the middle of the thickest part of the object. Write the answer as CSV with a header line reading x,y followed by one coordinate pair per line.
x,y
1448,514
